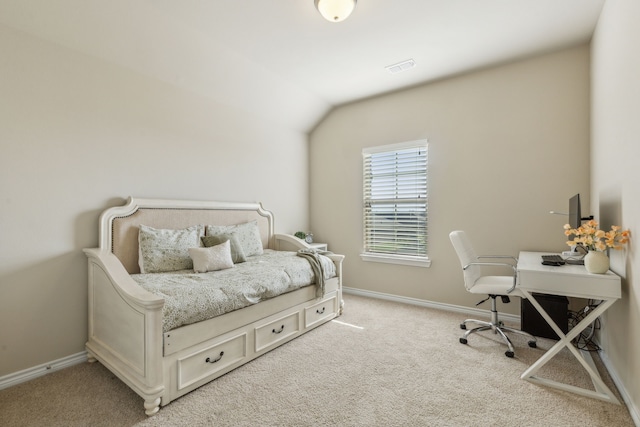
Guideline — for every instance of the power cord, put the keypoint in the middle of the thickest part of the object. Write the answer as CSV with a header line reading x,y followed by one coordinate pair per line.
x,y
584,340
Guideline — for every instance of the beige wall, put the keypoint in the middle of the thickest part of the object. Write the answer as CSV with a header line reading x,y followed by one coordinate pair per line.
x,y
506,145
616,176
78,135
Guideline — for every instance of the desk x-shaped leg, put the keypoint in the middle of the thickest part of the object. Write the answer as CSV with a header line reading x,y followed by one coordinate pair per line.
x,y
601,392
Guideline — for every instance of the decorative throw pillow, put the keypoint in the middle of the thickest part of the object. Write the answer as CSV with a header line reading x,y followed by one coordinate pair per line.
x,y
248,236
163,250
213,258
237,254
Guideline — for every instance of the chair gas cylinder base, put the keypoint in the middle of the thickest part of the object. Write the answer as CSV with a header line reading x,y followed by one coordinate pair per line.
x,y
496,326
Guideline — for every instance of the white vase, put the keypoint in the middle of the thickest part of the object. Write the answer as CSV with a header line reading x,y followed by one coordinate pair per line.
x,y
596,262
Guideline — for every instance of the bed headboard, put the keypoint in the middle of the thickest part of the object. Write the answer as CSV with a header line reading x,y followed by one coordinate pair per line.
x,y
119,225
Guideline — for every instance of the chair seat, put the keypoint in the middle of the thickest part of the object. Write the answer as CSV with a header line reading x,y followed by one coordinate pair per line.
x,y
495,285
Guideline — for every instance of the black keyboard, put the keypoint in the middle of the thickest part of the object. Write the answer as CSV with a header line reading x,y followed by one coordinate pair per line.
x,y
555,260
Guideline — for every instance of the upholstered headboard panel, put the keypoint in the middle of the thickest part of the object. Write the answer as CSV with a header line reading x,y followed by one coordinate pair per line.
x,y
120,226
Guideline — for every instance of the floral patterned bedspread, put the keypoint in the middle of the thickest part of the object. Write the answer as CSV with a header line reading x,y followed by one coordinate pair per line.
x,y
193,297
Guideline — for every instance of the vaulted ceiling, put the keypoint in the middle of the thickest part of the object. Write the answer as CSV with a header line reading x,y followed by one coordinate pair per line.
x,y
282,60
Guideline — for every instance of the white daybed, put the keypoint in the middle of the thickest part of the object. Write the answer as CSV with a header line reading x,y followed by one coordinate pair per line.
x,y
126,321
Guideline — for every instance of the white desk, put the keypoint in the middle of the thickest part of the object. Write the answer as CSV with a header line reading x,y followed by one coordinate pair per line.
x,y
572,281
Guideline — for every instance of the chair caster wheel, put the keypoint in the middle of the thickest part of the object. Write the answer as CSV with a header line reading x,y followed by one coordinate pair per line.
x,y
463,326
509,353
532,344
463,340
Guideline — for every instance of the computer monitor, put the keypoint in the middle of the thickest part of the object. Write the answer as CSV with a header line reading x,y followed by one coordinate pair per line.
x,y
575,214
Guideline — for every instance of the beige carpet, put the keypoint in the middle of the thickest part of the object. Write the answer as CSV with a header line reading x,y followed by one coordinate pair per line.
x,y
380,364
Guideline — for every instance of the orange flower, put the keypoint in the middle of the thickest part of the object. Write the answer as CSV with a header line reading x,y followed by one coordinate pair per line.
x,y
590,236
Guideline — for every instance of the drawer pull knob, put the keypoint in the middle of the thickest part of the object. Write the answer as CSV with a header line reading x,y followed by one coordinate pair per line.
x,y
209,360
278,331
320,311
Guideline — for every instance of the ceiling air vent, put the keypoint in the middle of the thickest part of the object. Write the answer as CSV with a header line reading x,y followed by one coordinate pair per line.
x,y
401,66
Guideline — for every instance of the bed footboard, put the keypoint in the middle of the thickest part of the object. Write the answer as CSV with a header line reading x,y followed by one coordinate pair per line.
x,y
125,328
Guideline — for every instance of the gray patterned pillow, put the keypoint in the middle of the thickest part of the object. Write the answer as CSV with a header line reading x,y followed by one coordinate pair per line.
x,y
237,254
214,258
248,236
167,250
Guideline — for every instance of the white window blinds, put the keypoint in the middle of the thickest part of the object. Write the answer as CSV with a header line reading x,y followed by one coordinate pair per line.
x,y
395,200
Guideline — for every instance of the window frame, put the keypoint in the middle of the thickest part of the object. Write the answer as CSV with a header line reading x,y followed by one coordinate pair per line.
x,y
394,258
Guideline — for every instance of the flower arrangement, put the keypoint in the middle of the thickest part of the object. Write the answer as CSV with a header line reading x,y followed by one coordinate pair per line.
x,y
594,239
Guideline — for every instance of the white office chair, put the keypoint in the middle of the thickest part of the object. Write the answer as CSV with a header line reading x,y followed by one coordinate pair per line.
x,y
493,286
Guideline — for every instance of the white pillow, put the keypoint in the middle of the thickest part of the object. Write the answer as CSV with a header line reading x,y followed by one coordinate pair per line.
x,y
213,258
167,250
248,235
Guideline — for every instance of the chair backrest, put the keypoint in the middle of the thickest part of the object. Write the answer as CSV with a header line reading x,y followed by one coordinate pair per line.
x,y
467,255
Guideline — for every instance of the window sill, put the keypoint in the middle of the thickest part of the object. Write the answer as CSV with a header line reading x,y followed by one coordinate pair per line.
x,y
396,259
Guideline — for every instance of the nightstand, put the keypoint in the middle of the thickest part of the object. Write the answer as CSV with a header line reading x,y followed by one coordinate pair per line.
x,y
319,246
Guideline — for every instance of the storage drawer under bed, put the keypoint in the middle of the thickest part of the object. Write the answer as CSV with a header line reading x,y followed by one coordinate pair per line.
x,y
206,362
320,311
277,330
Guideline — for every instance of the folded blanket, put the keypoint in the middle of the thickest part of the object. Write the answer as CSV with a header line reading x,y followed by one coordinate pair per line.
x,y
313,256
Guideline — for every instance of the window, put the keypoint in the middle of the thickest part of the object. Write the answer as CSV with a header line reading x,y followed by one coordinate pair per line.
x,y
395,203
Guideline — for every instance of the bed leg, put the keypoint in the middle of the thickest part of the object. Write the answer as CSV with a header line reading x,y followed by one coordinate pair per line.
x,y
91,358
151,406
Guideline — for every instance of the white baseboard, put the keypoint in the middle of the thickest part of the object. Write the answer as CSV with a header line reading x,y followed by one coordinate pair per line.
x,y
430,304
40,370
633,408
634,411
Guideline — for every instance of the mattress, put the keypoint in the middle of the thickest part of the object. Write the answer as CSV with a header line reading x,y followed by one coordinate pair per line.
x,y
193,297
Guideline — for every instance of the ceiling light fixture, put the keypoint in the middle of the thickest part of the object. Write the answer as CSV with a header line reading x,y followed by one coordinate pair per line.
x,y
335,10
